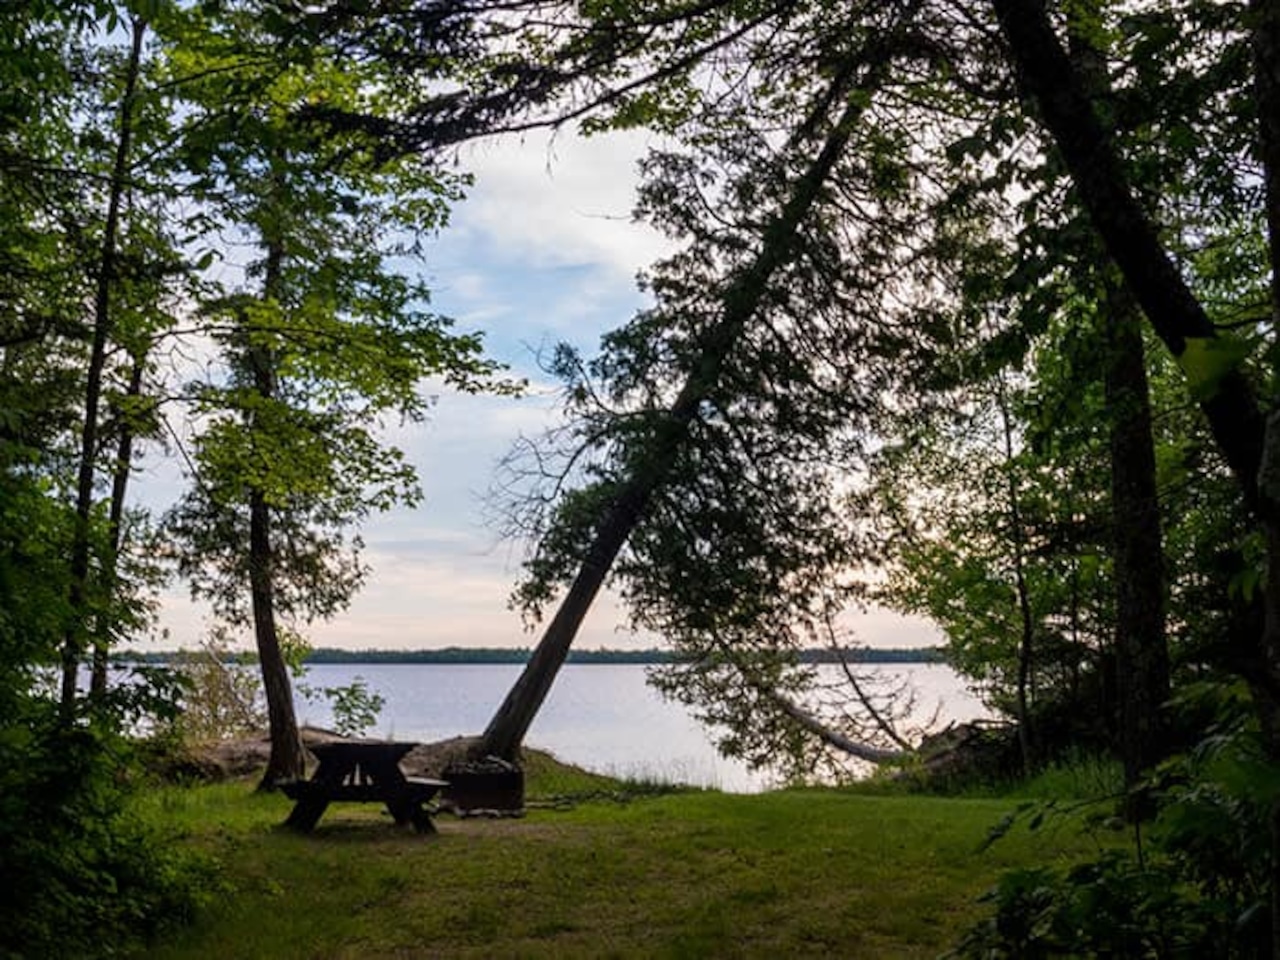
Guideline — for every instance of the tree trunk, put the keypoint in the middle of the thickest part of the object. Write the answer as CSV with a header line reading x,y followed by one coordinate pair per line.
x,y
115,524
1266,51
740,300
1142,654
1022,593
833,738
1026,649
1265,685
511,722
287,760
75,640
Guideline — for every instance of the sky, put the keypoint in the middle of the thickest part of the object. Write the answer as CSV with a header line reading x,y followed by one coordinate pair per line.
x,y
543,250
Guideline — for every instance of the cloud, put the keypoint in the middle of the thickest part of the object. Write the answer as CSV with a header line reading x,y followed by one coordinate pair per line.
x,y
544,249
878,627
551,201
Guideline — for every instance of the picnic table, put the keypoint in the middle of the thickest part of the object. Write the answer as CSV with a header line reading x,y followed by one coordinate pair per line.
x,y
362,771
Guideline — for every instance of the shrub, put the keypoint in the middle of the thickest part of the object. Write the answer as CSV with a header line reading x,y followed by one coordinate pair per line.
x,y
84,877
1193,883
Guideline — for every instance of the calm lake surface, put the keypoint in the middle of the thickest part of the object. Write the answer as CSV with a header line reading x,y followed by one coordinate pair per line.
x,y
600,716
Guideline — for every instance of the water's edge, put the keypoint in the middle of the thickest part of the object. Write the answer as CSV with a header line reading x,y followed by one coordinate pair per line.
x,y
602,717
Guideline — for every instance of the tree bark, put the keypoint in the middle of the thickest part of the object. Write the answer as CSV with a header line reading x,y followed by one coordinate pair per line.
x,y
1022,593
740,301
1266,51
507,729
115,526
1141,651
75,640
1266,688
287,760
835,739
1142,654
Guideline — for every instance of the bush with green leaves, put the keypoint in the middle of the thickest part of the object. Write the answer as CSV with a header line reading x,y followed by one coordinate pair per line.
x,y
85,877
1192,883
355,707
82,875
222,696
1115,906
222,693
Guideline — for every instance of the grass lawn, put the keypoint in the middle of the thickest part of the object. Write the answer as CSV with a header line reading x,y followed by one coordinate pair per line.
x,y
786,874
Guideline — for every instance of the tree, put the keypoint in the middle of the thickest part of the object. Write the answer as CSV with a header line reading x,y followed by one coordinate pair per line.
x,y
99,279
322,341
1141,653
708,323
1178,317
75,644
92,879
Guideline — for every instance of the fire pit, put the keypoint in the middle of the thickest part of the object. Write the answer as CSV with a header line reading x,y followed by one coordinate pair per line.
x,y
488,787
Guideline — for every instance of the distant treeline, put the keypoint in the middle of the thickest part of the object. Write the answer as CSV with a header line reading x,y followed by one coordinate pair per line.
x,y
520,655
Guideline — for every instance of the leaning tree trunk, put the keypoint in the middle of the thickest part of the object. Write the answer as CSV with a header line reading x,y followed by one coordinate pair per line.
x,y
742,297
507,729
823,732
834,738
75,640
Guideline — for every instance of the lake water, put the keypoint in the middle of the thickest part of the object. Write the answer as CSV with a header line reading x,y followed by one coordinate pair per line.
x,y
602,717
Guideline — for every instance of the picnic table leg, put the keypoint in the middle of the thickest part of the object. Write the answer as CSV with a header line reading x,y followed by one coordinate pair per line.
x,y
306,813
421,819
406,810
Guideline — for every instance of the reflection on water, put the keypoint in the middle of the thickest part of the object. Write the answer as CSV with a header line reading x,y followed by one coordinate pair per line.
x,y
604,717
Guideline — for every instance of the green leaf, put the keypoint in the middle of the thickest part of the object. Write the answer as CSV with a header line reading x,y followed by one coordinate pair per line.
x,y
147,10
1208,360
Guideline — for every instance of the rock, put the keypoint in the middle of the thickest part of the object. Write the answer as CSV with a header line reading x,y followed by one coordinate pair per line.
x,y
978,748
244,756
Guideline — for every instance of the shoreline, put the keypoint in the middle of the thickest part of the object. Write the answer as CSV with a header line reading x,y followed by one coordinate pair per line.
x,y
486,656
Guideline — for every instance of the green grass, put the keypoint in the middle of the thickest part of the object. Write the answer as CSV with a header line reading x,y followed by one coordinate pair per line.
x,y
623,874
1080,777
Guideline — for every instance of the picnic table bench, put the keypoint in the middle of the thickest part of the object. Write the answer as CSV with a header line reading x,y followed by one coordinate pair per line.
x,y
362,772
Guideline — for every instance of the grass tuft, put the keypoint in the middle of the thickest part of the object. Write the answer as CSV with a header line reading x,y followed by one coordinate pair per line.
x,y
1080,776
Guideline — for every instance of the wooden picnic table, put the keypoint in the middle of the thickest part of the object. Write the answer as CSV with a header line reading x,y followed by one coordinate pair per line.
x,y
362,771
